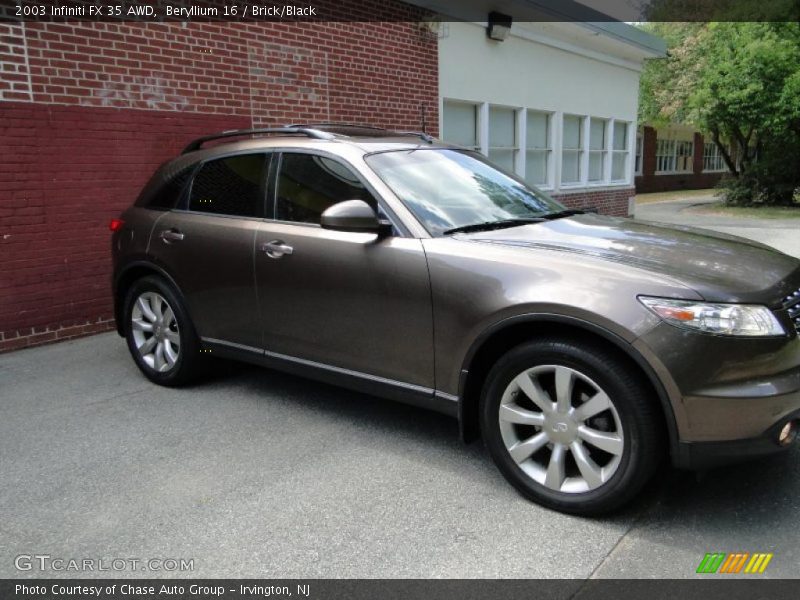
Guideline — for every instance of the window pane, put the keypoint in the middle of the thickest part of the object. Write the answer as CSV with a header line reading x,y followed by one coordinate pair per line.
x,y
618,165
570,166
596,163
308,184
536,166
597,134
538,130
230,186
503,158
572,132
620,136
501,127
461,124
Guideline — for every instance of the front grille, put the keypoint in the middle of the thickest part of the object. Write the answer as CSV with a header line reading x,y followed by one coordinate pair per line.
x,y
792,304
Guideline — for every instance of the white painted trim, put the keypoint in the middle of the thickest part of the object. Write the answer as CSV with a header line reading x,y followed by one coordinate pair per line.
x,y
483,128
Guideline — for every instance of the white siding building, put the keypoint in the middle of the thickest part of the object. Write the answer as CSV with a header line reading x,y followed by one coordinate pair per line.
x,y
555,102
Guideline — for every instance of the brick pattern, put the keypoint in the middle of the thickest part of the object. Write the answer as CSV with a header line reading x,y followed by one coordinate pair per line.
x,y
608,202
15,83
108,102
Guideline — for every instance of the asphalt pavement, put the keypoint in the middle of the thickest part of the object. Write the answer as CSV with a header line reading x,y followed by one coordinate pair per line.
x,y
258,474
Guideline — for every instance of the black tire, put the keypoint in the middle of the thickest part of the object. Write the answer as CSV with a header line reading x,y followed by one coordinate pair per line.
x,y
190,362
636,411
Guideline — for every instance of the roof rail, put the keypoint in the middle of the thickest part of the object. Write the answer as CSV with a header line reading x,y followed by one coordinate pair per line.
x,y
343,128
310,132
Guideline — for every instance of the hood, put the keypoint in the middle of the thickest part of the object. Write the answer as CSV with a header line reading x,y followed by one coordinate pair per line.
x,y
720,267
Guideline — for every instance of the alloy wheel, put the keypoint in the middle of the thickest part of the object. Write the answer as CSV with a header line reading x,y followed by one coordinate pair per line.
x,y
155,332
561,429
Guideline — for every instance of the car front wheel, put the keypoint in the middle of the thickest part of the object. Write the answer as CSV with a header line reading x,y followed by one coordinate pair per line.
x,y
570,425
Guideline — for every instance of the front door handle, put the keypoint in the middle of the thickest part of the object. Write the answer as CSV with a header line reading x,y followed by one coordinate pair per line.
x,y
171,235
276,249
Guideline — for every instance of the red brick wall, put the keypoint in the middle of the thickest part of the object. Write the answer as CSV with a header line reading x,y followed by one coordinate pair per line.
x,y
608,202
88,110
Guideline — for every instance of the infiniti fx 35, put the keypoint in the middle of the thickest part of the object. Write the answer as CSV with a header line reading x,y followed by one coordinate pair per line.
x,y
583,349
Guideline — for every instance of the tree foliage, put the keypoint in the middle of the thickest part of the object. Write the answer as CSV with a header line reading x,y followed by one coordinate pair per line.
x,y
739,82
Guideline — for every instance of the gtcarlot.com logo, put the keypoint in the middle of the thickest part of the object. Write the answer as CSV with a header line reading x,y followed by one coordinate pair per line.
x,y
734,563
45,562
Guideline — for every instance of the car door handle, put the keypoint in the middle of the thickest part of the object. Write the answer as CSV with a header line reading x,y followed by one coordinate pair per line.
x,y
276,249
171,235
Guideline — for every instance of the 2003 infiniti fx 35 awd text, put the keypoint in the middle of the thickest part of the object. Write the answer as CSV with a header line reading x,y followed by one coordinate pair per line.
x,y
582,348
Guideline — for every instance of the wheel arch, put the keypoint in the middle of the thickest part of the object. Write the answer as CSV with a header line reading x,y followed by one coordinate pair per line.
x,y
126,278
506,334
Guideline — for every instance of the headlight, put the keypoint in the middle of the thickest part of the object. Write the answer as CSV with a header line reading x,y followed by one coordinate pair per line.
x,y
721,319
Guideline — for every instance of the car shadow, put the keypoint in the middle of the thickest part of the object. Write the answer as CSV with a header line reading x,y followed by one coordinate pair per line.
x,y
436,435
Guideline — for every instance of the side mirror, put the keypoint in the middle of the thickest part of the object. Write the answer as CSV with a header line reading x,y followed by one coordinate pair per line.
x,y
354,215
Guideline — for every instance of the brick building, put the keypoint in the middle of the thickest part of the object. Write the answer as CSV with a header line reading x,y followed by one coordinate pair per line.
x,y
676,157
89,109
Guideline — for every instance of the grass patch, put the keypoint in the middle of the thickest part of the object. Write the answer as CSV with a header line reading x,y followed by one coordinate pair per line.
x,y
676,195
755,212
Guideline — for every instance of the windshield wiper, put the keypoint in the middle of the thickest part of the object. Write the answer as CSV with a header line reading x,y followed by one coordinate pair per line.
x,y
561,214
489,225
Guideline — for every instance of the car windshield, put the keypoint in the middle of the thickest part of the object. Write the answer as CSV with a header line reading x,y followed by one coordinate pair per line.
x,y
450,189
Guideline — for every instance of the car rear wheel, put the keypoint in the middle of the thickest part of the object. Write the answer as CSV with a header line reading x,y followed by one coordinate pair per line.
x,y
570,425
160,336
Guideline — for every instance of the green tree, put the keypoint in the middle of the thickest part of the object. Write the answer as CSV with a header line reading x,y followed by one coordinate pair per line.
x,y
740,83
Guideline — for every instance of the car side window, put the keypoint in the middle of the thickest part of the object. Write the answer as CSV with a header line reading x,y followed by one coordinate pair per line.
x,y
230,186
309,183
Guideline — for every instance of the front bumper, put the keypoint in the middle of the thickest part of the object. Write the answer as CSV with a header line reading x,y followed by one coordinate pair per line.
x,y
704,455
730,396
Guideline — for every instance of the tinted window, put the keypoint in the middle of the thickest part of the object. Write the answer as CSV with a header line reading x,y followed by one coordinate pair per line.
x,y
230,186
165,187
308,184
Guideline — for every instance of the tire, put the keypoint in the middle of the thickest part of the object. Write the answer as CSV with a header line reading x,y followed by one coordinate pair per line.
x,y
571,456
161,338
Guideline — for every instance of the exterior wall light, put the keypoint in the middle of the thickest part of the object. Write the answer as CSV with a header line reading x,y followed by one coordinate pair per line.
x,y
499,26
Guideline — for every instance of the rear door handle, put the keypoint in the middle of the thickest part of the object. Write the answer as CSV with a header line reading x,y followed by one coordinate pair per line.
x,y
171,235
276,249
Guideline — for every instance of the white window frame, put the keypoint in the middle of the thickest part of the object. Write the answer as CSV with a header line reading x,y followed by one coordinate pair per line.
x,y
715,156
672,156
603,151
583,159
625,151
547,150
515,148
478,118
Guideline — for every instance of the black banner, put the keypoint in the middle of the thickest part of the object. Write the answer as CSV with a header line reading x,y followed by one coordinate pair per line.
x,y
398,10
398,589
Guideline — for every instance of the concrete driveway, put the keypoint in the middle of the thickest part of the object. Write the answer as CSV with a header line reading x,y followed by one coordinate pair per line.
x,y
783,234
259,474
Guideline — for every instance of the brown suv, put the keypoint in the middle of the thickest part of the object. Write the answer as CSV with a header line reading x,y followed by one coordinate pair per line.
x,y
582,348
